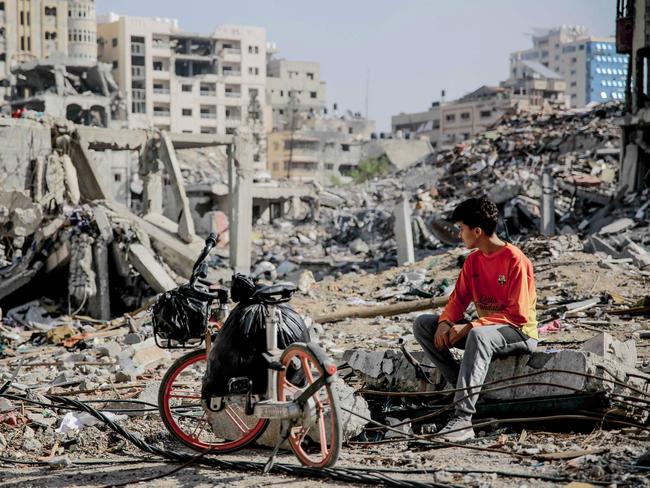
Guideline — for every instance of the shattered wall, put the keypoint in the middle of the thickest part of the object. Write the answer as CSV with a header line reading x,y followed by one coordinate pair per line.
x,y
22,142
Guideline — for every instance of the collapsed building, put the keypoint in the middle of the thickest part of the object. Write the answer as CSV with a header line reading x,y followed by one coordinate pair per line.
x,y
68,89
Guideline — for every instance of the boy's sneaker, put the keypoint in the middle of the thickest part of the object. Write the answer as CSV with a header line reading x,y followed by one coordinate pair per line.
x,y
458,429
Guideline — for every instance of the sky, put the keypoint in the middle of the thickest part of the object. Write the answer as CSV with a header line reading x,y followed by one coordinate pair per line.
x,y
399,53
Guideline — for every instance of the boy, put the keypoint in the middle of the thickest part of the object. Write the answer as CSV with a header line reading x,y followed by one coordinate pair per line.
x,y
498,278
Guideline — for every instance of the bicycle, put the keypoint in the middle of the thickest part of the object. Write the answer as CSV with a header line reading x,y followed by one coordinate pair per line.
x,y
299,389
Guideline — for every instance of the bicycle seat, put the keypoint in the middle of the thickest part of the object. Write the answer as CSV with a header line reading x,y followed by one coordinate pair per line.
x,y
273,294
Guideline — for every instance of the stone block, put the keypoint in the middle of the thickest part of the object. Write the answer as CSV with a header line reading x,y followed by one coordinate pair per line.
x,y
606,346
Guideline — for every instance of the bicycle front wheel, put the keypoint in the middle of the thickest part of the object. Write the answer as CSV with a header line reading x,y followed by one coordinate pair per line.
x,y
316,438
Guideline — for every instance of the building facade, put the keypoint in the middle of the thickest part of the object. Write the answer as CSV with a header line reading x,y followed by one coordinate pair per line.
x,y
418,124
42,29
182,82
293,86
590,66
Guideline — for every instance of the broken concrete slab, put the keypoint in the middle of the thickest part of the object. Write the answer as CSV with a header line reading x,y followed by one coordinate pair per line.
x,y
606,346
617,226
151,270
168,156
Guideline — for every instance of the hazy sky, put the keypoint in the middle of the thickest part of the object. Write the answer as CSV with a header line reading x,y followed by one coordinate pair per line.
x,y
412,48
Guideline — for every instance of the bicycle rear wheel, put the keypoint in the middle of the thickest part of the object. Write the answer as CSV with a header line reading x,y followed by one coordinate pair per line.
x,y
316,438
179,402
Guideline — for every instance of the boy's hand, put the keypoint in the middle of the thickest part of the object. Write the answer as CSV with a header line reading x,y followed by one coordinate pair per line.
x,y
441,339
458,332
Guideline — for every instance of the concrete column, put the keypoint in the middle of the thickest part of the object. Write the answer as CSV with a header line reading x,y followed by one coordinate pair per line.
x,y
548,205
240,182
168,156
296,207
99,305
403,232
153,190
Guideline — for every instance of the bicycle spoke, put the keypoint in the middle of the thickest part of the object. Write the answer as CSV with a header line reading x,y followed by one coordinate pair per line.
x,y
239,423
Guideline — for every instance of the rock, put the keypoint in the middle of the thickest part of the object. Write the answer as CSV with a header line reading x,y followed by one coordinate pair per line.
x,y
109,349
6,405
358,246
265,270
617,226
285,267
306,281
131,339
141,357
59,462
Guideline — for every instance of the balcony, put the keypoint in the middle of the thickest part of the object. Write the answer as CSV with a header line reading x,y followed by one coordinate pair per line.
x,y
231,72
208,93
161,113
137,72
231,50
233,94
161,91
208,115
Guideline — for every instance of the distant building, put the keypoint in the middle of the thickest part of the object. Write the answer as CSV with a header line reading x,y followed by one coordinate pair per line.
x,y
418,124
61,87
537,87
291,87
590,66
319,148
183,82
39,29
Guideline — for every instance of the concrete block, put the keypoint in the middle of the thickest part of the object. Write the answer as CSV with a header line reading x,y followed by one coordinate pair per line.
x,y
606,346
617,226
388,370
151,270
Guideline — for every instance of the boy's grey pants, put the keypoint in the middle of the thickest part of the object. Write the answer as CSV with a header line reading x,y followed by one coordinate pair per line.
x,y
481,344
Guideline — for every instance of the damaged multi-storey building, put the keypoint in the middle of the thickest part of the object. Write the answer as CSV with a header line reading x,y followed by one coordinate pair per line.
x,y
632,31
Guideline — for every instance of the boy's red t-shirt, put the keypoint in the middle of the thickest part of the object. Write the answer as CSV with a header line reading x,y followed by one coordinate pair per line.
x,y
502,287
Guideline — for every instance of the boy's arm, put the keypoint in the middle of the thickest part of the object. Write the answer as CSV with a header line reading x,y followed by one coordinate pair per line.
x,y
459,298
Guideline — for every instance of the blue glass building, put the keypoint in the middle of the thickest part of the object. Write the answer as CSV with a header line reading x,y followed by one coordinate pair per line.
x,y
606,72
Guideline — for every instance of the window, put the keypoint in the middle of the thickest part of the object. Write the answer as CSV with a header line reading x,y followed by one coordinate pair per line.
x,y
281,93
187,112
114,64
157,66
574,60
250,70
22,18
117,177
281,112
257,71
450,117
187,88
310,76
603,94
485,113
573,72
350,130
114,42
22,43
313,94
581,47
345,147
250,49
464,116
573,83
139,107
257,50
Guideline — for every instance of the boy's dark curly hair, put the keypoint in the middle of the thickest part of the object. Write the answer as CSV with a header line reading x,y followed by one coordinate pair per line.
x,y
477,212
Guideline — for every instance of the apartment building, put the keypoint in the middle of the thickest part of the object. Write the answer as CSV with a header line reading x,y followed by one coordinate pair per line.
x,y
184,82
590,66
293,86
41,29
418,124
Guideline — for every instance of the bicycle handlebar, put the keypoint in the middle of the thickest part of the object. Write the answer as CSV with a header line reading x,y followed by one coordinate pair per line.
x,y
210,242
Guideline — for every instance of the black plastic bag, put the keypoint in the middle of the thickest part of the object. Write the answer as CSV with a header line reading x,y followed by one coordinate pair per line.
x,y
180,315
239,345
241,288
